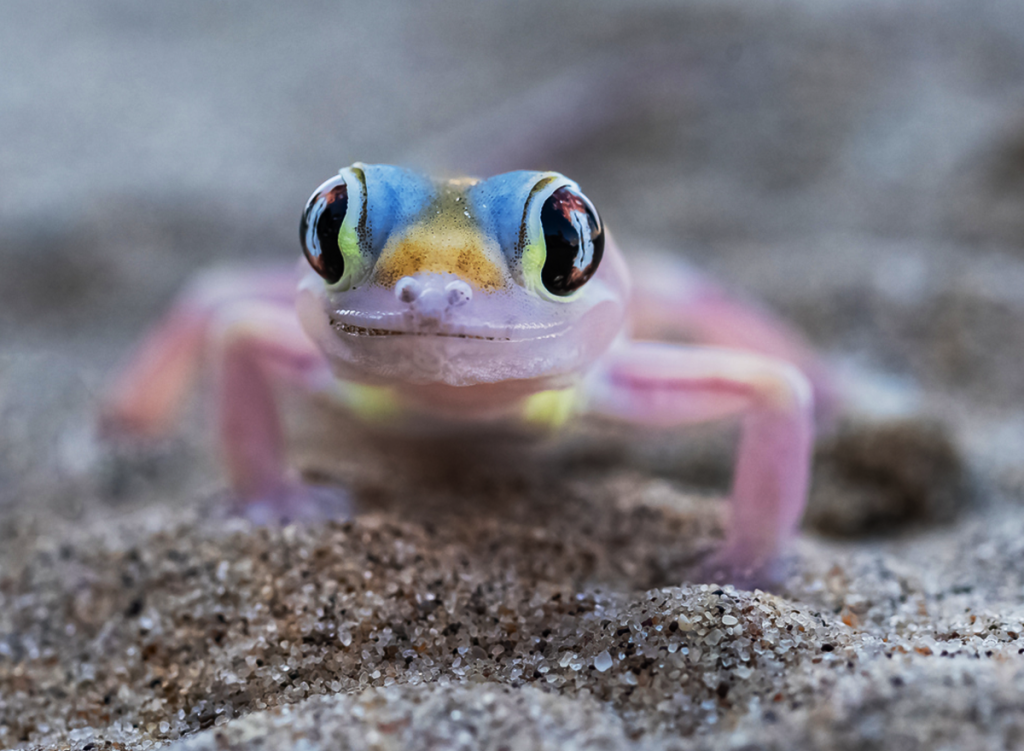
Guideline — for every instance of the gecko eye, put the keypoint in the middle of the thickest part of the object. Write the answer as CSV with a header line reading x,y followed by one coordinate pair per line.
x,y
320,229
574,240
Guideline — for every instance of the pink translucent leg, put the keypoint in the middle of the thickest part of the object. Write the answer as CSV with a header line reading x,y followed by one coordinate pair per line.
x,y
242,326
145,397
669,385
257,346
673,301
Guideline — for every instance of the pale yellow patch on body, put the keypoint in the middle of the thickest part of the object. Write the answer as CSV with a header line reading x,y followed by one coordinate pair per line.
x,y
373,404
444,239
551,409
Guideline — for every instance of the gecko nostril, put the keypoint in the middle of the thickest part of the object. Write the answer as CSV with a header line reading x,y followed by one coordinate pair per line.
x,y
408,289
426,297
459,293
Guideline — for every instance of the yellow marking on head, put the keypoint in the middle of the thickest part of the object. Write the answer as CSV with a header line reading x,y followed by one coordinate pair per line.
x,y
444,240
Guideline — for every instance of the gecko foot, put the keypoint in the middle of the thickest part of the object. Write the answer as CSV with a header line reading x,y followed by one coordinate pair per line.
x,y
735,566
296,502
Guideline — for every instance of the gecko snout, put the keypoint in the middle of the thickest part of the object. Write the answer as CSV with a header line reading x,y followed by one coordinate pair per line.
x,y
432,297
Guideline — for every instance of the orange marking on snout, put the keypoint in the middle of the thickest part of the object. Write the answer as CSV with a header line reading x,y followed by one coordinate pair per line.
x,y
431,250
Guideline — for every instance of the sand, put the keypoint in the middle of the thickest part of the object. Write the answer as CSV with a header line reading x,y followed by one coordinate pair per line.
x,y
504,612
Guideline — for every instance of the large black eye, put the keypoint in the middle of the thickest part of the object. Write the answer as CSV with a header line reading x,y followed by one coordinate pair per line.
x,y
574,240
319,228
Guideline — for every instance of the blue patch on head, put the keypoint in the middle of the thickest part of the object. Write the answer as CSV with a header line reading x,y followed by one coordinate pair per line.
x,y
499,204
395,197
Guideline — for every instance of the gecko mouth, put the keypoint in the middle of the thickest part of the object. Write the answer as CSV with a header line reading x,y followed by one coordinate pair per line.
x,y
347,328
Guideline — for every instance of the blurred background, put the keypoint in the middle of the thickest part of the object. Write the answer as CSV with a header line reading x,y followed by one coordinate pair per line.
x,y
858,164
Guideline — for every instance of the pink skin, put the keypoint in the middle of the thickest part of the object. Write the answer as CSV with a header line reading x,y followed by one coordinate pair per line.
x,y
145,397
243,323
663,385
260,344
673,301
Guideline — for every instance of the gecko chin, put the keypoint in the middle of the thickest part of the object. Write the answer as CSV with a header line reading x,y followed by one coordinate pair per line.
x,y
497,338
457,355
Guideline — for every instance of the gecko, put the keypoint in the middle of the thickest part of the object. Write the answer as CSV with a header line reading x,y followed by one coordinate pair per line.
x,y
464,302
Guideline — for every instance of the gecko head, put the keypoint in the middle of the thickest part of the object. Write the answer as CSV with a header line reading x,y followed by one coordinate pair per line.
x,y
458,282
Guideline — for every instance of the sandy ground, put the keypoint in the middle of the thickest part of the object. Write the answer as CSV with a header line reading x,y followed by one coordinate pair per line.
x,y
857,165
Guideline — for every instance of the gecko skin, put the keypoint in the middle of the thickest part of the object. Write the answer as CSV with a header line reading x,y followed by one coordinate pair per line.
x,y
468,301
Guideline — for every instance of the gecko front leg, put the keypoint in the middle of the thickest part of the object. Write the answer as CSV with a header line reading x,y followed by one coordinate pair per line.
x,y
672,301
256,347
667,385
242,328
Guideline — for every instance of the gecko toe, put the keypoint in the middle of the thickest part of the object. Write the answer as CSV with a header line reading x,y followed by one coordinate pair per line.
x,y
297,503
